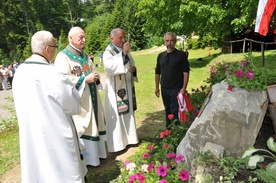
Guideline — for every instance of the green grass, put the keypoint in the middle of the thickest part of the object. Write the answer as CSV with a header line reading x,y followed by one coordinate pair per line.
x,y
150,113
9,149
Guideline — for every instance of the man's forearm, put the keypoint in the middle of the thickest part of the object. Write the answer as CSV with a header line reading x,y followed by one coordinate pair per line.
x,y
157,80
185,81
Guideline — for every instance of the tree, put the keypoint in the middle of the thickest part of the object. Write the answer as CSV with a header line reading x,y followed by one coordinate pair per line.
x,y
213,18
12,29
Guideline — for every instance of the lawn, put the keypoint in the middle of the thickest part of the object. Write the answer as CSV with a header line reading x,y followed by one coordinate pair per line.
x,y
150,114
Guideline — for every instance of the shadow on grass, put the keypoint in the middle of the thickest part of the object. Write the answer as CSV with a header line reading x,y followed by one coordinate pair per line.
x,y
109,169
202,62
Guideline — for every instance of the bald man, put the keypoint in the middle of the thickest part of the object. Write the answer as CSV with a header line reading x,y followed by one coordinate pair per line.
x,y
120,100
76,65
44,101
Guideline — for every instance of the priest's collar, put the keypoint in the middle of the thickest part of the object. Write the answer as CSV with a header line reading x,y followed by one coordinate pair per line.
x,y
115,48
75,50
36,57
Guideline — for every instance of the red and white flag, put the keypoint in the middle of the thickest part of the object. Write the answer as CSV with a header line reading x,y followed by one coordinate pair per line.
x,y
265,10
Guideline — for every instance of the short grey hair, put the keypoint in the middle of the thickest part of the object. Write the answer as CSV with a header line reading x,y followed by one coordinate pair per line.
x,y
114,31
172,33
40,40
74,31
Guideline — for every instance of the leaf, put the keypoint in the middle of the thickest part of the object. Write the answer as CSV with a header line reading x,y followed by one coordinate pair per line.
x,y
252,163
249,152
271,167
271,144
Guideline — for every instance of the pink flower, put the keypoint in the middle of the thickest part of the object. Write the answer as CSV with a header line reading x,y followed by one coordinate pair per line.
x,y
239,73
170,116
162,135
140,177
132,178
162,171
146,155
243,63
162,181
166,146
184,175
170,155
196,112
178,158
230,88
250,74
150,147
126,162
150,167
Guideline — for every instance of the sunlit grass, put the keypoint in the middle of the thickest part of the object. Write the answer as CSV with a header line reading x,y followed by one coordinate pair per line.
x,y
149,114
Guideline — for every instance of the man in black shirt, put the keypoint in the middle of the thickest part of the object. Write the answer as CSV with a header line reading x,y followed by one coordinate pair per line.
x,y
172,72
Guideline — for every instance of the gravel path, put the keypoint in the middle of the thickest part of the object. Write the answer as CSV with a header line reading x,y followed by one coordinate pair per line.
x,y
6,101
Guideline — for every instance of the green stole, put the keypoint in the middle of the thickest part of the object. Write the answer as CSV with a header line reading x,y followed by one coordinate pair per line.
x,y
122,93
82,58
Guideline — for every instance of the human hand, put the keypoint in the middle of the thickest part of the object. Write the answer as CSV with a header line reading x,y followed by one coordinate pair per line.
x,y
92,77
131,68
157,92
126,47
183,91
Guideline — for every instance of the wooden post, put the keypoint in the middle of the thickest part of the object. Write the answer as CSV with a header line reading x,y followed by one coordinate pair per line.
x,y
251,46
262,49
243,50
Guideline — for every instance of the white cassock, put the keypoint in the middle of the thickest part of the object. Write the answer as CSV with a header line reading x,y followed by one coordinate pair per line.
x,y
44,101
120,128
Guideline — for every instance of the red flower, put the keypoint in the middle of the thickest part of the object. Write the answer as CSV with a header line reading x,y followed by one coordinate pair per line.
x,y
146,155
162,135
170,116
168,132
166,146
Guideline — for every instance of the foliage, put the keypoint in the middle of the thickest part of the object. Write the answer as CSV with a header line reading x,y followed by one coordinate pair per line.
x,y
215,19
223,169
252,159
197,97
6,124
218,72
158,161
246,75
9,123
265,176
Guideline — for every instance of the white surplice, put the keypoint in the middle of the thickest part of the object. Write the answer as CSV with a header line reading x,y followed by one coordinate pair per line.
x,y
44,101
120,128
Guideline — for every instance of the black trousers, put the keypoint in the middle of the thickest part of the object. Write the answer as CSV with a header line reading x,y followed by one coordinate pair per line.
x,y
169,97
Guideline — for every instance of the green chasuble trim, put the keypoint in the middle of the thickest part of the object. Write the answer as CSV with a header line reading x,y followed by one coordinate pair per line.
x,y
82,60
79,82
102,133
90,138
33,62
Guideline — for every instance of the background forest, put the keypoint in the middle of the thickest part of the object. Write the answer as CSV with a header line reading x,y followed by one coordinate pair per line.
x,y
145,20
